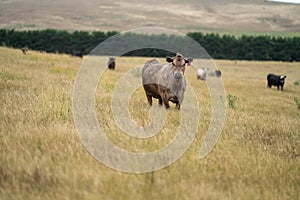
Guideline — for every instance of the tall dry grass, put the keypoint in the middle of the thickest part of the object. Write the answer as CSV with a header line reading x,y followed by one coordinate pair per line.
x,y
42,157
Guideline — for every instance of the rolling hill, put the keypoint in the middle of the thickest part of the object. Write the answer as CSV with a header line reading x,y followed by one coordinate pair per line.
x,y
186,16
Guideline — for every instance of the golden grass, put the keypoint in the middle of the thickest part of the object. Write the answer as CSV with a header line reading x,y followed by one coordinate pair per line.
x,y
42,157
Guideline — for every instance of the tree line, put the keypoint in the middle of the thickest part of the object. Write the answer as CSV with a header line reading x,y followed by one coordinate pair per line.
x,y
245,47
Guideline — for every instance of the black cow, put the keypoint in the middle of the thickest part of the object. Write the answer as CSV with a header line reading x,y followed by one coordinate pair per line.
x,y
218,73
78,53
111,63
24,49
276,80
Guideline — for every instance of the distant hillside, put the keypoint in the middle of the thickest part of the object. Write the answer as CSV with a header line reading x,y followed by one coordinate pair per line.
x,y
231,16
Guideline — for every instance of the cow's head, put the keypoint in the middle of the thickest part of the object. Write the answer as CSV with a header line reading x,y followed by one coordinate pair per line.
x,y
282,79
178,63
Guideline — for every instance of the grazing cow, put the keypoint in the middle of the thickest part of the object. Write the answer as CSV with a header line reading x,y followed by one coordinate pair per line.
x,y
24,49
165,82
111,63
275,80
78,54
218,73
201,73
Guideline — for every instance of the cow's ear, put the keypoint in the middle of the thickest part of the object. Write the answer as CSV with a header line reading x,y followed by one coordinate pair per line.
x,y
189,61
168,59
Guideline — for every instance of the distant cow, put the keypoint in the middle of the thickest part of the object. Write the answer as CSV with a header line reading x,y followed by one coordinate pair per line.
x,y
218,73
275,80
165,82
78,53
24,49
111,63
201,73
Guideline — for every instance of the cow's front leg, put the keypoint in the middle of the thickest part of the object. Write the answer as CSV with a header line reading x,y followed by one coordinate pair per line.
x,y
165,100
149,97
160,101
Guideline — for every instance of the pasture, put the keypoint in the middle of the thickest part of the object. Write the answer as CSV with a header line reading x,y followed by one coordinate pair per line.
x,y
42,157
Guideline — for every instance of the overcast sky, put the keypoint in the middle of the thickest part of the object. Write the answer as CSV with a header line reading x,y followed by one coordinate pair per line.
x,y
287,1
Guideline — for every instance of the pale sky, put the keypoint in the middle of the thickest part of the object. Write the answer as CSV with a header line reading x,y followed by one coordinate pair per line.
x,y
287,1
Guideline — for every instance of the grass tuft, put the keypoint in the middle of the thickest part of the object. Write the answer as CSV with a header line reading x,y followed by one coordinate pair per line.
x,y
297,101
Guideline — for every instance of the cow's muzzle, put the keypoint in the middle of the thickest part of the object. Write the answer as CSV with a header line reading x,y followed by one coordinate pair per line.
x,y
178,75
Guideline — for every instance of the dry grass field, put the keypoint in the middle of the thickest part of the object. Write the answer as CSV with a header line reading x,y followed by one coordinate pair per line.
x,y
42,157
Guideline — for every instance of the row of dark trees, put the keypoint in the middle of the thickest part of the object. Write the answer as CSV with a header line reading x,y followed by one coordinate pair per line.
x,y
246,47
53,41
